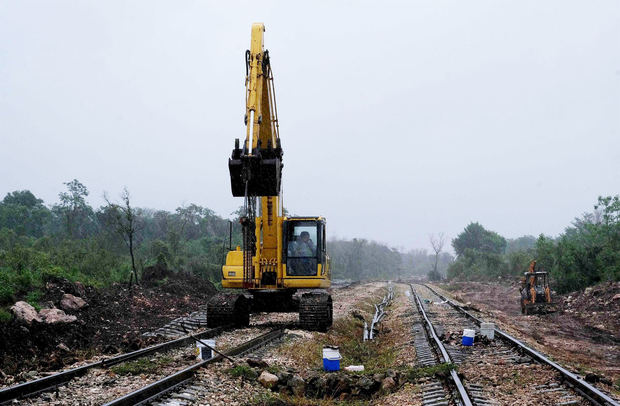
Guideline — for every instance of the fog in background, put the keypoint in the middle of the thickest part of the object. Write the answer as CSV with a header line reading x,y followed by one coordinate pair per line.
x,y
397,119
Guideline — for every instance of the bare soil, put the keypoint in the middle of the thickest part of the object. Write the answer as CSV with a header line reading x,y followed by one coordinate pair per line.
x,y
113,321
584,334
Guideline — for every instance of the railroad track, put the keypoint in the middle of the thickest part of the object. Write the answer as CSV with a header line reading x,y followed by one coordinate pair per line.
x,y
178,388
445,317
52,382
181,325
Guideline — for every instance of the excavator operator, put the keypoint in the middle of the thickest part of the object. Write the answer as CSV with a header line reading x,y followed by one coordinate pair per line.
x,y
305,247
302,256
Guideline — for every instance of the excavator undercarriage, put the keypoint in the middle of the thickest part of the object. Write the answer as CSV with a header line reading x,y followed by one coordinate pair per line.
x,y
315,308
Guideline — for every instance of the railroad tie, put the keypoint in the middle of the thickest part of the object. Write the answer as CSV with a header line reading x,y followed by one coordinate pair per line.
x,y
477,395
434,394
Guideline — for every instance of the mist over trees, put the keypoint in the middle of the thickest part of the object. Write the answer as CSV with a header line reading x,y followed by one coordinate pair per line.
x,y
360,259
588,252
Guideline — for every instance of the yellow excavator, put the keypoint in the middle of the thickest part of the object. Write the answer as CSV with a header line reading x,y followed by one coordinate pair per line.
x,y
280,255
535,292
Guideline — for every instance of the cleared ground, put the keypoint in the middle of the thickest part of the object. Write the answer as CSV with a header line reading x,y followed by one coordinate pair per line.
x,y
584,334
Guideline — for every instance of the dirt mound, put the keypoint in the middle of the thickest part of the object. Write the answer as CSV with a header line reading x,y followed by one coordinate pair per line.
x,y
599,305
154,273
113,321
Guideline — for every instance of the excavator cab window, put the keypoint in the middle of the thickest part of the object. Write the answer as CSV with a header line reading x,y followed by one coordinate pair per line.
x,y
303,246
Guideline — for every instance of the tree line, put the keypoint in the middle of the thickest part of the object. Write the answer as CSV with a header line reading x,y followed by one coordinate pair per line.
x,y
587,253
361,259
99,246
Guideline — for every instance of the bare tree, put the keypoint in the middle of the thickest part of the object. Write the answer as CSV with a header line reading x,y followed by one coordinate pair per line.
x,y
437,242
126,225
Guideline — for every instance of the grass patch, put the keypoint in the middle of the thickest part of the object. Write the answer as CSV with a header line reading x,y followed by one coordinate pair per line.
x,y
243,371
272,399
33,298
5,316
449,288
274,369
267,399
414,374
140,366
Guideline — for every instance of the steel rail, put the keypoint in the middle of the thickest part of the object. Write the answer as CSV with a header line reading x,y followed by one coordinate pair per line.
x,y
165,385
48,383
590,392
455,377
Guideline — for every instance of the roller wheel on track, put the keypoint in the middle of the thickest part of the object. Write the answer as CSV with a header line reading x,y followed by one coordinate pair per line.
x,y
228,308
315,311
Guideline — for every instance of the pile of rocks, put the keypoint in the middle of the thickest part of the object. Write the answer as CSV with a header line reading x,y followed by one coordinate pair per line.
x,y
26,313
319,385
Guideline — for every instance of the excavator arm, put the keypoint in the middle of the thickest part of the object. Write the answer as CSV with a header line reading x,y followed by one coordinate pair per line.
x,y
256,166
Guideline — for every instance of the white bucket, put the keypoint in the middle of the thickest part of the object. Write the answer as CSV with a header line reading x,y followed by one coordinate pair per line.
x,y
202,351
488,330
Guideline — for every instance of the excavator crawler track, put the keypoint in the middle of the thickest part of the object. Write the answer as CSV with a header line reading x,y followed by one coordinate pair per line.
x,y
315,311
228,308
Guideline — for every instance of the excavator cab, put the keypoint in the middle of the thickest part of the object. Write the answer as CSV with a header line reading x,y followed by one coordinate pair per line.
x,y
304,253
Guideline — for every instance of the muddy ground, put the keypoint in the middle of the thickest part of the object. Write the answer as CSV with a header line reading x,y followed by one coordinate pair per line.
x,y
583,334
113,321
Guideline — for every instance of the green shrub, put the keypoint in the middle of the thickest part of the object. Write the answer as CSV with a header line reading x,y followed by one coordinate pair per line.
x,y
243,371
140,366
414,374
33,298
5,316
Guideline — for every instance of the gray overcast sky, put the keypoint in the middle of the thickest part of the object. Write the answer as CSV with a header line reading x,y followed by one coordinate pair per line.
x,y
397,119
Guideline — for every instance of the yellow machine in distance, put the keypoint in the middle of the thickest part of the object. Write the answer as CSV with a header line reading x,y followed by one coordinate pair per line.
x,y
280,254
535,292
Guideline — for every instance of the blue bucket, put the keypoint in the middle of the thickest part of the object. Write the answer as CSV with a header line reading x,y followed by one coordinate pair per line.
x,y
468,337
331,358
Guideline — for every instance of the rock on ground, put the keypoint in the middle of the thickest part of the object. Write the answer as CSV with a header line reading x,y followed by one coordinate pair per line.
x,y
70,302
51,316
267,380
297,385
23,311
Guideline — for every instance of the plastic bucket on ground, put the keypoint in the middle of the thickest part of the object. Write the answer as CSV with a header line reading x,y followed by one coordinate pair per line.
x,y
468,337
203,351
331,358
487,330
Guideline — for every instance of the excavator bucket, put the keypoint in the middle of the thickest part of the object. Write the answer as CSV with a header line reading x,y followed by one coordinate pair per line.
x,y
262,170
